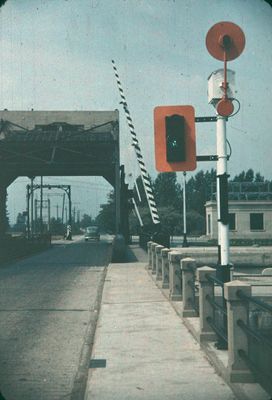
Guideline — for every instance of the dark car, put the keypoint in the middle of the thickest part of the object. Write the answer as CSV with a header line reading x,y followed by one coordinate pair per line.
x,y
92,232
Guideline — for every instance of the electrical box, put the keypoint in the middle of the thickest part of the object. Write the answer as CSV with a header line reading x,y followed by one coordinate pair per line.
x,y
215,85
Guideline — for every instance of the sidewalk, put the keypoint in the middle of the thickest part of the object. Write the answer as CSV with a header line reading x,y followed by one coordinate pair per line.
x,y
142,347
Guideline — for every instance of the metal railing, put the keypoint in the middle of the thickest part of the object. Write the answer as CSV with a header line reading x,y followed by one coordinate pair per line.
x,y
259,333
218,322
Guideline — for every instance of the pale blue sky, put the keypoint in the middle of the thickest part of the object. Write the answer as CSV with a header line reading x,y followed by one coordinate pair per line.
x,y
56,55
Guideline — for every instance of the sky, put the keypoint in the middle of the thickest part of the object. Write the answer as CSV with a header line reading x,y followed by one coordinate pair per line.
x,y
56,55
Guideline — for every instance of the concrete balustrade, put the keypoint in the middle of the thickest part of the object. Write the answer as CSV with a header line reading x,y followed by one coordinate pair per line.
x,y
165,268
149,252
175,277
237,309
188,269
205,309
158,250
153,257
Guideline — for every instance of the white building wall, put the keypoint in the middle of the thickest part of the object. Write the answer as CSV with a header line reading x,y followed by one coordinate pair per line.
x,y
242,210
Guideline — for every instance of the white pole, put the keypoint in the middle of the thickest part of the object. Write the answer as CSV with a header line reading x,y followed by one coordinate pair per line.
x,y
185,243
138,192
218,216
222,192
137,213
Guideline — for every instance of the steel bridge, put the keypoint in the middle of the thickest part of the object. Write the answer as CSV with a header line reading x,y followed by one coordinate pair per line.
x,y
59,143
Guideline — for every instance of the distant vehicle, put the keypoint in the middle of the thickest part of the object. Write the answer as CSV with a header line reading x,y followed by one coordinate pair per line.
x,y
92,232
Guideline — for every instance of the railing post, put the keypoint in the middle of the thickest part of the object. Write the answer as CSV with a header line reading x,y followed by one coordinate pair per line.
x,y
206,288
153,255
158,250
237,309
165,268
175,277
149,252
188,268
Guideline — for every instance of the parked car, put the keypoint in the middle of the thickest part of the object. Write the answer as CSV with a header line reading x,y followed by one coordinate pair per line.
x,y
92,232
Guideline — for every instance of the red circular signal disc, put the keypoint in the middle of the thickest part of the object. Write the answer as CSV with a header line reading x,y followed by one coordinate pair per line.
x,y
214,39
225,107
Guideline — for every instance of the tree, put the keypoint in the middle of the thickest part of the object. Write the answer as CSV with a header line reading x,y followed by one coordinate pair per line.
x,y
199,189
106,217
86,221
167,191
20,225
171,220
248,176
56,226
259,177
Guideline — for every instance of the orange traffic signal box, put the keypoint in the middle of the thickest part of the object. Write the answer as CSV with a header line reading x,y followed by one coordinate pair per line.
x,y
175,144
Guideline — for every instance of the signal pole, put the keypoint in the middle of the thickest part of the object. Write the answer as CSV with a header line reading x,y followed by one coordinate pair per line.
x,y
225,41
185,243
222,199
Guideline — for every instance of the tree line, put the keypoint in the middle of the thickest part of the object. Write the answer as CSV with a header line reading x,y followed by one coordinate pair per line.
x,y
168,194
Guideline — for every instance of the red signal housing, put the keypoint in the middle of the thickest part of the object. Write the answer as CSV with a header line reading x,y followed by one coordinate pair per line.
x,y
175,144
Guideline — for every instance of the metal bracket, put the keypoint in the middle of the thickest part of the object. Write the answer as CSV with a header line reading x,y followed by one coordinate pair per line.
x,y
205,119
209,158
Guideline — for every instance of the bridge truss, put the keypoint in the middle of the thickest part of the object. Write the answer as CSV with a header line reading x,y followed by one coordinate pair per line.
x,y
59,143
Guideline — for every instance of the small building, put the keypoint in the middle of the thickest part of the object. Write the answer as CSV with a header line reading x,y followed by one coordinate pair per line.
x,y
248,219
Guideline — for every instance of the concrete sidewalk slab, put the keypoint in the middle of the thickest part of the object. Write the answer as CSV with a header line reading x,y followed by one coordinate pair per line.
x,y
148,351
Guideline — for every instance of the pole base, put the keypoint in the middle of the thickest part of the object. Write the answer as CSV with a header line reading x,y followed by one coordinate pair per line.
x,y
223,272
185,242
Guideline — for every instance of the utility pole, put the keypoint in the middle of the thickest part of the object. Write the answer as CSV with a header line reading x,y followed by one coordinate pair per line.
x,y
65,188
32,205
62,212
49,212
74,214
36,215
41,206
27,210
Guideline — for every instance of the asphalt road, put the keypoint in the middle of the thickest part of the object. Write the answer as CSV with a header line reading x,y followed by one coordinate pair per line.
x,y
48,309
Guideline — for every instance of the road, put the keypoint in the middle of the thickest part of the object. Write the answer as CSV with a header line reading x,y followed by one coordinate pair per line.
x,y
48,309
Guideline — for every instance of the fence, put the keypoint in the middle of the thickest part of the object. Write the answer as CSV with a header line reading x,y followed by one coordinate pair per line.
x,y
218,321
258,329
16,247
239,319
190,288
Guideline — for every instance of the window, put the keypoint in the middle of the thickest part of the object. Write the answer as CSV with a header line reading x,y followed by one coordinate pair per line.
x,y
209,223
256,222
232,221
